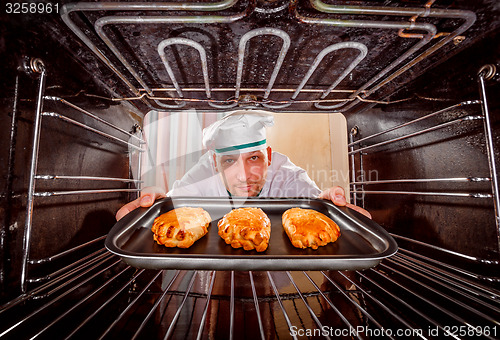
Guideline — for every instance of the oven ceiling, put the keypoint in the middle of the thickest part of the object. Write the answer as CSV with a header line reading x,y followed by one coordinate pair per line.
x,y
280,55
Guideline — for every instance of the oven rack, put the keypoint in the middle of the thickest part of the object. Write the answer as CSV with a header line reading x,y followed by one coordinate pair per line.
x,y
38,67
358,185
134,76
361,148
139,304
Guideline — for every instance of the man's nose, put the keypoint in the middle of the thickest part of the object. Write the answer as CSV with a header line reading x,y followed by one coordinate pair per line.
x,y
241,171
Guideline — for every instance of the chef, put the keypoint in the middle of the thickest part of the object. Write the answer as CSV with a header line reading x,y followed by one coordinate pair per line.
x,y
239,163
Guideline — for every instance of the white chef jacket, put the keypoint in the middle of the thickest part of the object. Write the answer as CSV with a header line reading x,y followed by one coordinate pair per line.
x,y
284,179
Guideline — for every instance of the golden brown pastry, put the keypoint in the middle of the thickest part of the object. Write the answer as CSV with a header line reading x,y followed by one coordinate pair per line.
x,y
309,228
181,227
249,228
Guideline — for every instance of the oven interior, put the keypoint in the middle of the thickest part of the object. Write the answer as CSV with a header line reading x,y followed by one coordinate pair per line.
x,y
415,80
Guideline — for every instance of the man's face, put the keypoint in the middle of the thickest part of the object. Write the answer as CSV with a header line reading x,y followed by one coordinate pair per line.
x,y
244,174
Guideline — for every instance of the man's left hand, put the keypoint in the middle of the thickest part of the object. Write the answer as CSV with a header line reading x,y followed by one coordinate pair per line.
x,y
337,196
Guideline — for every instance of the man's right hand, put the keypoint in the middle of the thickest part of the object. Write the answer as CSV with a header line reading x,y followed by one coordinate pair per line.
x,y
147,198
337,196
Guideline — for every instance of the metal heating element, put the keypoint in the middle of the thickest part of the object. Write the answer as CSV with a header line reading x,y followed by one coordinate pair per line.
x,y
424,291
146,93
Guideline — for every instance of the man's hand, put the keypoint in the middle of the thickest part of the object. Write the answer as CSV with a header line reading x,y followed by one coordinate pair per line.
x,y
147,198
337,196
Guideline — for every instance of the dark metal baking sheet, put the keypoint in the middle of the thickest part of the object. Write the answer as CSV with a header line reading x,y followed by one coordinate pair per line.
x,y
362,244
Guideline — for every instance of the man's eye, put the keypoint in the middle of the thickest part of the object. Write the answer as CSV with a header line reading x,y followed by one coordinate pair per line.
x,y
254,158
228,161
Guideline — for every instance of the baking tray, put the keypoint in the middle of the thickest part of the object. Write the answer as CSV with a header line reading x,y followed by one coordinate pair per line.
x,y
362,244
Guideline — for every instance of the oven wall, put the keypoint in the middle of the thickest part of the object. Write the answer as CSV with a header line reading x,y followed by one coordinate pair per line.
x,y
465,225
59,222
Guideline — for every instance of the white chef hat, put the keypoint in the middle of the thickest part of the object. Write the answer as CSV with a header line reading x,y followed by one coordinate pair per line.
x,y
237,132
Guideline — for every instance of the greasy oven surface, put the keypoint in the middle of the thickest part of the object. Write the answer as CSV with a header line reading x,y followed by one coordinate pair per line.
x,y
362,243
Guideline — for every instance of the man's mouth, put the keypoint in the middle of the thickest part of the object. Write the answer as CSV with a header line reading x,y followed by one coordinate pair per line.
x,y
245,187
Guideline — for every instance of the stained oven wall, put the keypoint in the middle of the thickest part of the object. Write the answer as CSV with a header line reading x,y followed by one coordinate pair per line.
x,y
60,222
462,224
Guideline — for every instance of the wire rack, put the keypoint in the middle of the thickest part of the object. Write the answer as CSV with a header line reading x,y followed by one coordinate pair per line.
x,y
407,295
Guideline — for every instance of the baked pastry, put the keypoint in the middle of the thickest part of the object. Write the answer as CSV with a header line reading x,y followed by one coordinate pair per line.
x,y
309,228
249,228
181,227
